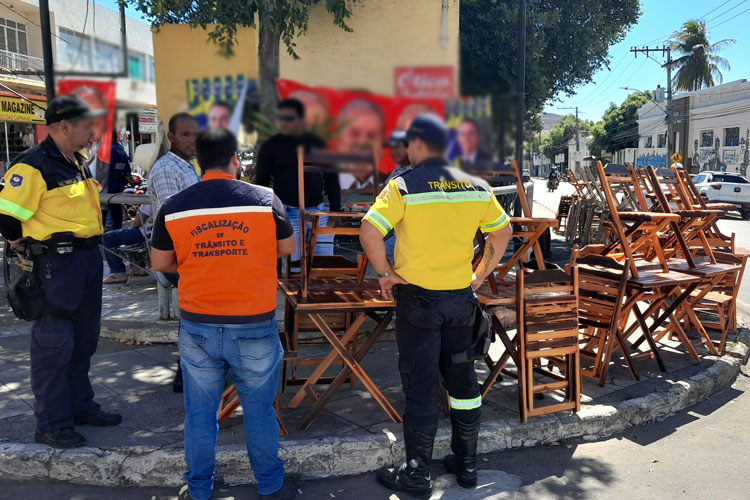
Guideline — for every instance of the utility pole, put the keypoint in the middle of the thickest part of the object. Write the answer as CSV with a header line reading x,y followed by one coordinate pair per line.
x,y
577,128
668,52
49,66
521,82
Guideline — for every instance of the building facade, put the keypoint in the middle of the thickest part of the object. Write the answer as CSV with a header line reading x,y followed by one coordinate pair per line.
x,y
711,129
383,54
86,37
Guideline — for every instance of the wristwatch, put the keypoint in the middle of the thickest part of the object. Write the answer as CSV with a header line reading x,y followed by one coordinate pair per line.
x,y
384,275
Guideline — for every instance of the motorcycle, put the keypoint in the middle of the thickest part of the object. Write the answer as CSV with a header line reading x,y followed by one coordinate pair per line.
x,y
552,184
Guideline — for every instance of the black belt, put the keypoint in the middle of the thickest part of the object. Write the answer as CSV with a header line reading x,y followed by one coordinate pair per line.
x,y
61,245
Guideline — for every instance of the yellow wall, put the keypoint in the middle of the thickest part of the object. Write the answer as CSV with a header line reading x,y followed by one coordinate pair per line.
x,y
182,53
387,33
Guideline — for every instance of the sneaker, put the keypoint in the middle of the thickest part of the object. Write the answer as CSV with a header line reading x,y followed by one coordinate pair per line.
x,y
60,438
98,418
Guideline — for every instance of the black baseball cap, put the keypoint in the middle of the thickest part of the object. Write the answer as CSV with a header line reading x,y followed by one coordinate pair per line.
x,y
429,127
397,138
69,106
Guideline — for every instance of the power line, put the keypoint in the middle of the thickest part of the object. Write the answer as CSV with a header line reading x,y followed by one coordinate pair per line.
x,y
626,81
597,93
728,10
714,9
730,19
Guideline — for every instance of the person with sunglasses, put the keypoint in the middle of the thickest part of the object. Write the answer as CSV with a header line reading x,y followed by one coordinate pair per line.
x,y
277,168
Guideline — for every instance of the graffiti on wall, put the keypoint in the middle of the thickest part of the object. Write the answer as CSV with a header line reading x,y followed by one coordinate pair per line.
x,y
647,159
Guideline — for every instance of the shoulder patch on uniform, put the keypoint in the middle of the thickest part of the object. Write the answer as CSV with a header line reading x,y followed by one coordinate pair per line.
x,y
16,180
383,193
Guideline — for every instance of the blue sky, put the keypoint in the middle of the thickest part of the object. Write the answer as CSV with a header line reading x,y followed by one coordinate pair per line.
x,y
725,18
659,18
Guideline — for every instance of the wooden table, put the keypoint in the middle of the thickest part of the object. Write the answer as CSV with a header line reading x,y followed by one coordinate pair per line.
x,y
328,295
657,287
710,274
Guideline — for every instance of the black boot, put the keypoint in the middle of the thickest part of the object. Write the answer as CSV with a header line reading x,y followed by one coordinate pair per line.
x,y
413,476
463,461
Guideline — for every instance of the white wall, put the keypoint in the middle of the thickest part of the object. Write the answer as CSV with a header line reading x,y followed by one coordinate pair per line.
x,y
715,110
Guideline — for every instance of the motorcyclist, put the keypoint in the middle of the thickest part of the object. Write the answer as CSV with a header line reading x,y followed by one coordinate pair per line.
x,y
553,179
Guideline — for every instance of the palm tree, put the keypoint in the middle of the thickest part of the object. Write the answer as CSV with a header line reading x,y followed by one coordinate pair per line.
x,y
698,65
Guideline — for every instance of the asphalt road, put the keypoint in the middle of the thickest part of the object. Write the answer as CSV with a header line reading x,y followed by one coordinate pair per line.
x,y
701,453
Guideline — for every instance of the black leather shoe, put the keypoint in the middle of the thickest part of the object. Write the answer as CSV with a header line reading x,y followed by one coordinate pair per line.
x,y
287,492
97,418
61,438
177,383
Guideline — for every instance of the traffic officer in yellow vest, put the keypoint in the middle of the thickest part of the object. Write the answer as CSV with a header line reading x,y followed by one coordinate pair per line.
x,y
49,208
435,211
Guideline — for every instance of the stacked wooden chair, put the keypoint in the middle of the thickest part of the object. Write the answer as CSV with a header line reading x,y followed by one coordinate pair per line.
x,y
547,309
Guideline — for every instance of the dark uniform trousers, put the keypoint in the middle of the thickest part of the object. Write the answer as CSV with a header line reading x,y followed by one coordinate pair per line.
x,y
65,338
431,325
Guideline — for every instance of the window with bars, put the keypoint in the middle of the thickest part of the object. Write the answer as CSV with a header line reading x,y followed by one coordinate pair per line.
x,y
74,49
649,141
13,37
732,136
661,141
707,139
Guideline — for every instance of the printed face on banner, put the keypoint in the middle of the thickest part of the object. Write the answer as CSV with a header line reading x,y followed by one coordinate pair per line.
x,y
98,95
219,101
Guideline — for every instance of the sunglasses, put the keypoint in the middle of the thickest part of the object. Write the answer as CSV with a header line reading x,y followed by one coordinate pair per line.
x,y
286,118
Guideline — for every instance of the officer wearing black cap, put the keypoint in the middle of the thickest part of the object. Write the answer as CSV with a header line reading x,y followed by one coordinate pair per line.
x,y
49,211
435,211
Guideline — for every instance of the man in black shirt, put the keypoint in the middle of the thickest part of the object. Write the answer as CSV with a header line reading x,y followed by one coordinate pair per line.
x,y
277,168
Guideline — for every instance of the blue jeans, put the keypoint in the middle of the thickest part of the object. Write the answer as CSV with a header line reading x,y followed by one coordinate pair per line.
x,y
113,239
252,353
324,243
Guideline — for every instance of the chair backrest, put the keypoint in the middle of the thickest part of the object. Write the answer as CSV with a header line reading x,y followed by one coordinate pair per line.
x,y
548,302
325,161
602,283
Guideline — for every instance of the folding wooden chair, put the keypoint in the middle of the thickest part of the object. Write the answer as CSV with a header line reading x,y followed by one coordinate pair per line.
x,y
563,212
693,222
230,401
321,266
602,287
529,228
694,200
642,233
547,309
717,310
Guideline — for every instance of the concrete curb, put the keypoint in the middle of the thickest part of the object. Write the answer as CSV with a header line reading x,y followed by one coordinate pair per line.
x,y
318,458
153,332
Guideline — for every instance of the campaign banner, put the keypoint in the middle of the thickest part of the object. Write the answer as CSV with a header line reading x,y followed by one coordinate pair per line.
x,y
98,95
424,82
219,101
356,121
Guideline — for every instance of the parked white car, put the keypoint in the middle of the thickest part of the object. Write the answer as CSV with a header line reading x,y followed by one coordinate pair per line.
x,y
725,187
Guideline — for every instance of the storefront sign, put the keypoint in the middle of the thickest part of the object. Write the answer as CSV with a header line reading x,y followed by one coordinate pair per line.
x,y
15,109
424,82
147,122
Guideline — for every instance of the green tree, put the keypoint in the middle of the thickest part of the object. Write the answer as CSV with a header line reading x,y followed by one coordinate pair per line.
x,y
698,65
276,20
567,41
618,128
560,135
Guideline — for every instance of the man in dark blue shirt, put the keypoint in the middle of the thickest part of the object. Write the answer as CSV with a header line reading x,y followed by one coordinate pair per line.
x,y
119,176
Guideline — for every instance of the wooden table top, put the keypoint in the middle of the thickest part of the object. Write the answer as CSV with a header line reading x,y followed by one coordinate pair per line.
x,y
706,270
648,280
335,295
506,294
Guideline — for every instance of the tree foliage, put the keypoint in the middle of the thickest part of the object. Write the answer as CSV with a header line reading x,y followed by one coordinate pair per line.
x,y
560,135
567,41
618,128
698,65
